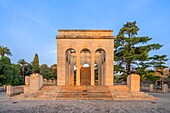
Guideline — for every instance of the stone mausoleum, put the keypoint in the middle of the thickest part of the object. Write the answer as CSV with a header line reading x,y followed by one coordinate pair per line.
x,y
79,52
84,71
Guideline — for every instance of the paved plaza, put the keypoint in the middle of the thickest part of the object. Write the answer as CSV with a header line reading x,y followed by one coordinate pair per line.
x,y
88,106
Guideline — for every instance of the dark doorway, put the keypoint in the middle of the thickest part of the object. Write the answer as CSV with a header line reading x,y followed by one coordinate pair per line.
x,y
85,76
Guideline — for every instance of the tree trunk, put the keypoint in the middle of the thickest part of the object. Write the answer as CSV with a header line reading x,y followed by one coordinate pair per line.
x,y
22,70
128,68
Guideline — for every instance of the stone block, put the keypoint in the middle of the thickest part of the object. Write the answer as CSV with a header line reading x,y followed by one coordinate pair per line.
x,y
165,88
133,82
151,88
26,89
27,80
36,82
9,90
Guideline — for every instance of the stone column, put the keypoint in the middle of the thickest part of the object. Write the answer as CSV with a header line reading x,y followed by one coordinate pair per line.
x,y
92,68
99,75
108,76
72,74
78,67
61,62
66,73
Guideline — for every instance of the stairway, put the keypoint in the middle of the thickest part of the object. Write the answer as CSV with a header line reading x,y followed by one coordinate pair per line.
x,y
122,92
117,92
85,92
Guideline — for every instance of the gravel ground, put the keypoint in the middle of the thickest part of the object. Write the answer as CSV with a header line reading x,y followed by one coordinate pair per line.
x,y
87,106
84,106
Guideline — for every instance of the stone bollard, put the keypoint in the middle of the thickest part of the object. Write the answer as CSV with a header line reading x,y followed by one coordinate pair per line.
x,y
27,80
9,90
151,88
133,82
165,88
4,86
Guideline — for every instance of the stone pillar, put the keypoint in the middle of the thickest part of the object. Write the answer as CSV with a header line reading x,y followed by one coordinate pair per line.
x,y
27,80
36,82
9,90
92,68
99,75
61,61
151,87
78,67
102,74
67,73
165,88
71,74
108,67
133,82
27,85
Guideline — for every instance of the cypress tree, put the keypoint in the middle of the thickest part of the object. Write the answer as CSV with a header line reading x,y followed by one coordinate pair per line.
x,y
36,67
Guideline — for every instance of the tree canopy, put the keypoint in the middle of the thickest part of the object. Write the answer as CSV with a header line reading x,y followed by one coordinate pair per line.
x,y
6,71
5,51
132,51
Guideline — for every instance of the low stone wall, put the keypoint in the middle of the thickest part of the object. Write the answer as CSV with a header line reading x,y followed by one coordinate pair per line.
x,y
14,90
18,89
49,82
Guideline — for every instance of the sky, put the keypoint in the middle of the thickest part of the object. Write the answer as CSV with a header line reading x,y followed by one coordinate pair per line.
x,y
30,26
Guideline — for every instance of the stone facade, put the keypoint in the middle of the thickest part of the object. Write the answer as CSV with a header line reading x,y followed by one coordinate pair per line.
x,y
77,47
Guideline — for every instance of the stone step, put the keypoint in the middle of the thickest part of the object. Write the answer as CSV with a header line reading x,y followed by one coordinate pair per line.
x,y
120,92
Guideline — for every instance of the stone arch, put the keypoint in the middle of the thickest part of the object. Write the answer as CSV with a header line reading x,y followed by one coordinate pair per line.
x,y
85,48
85,72
85,56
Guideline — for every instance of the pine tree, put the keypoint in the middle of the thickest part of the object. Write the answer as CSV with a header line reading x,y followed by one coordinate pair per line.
x,y
131,49
36,68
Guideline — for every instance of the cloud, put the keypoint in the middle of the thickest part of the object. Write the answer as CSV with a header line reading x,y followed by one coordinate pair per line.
x,y
40,22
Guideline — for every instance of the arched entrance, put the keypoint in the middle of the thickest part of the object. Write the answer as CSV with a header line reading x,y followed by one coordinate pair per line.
x,y
85,75
85,70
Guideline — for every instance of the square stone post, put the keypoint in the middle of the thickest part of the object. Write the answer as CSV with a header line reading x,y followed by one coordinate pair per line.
x,y
61,64
92,68
133,82
165,88
108,78
9,90
78,67
36,82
